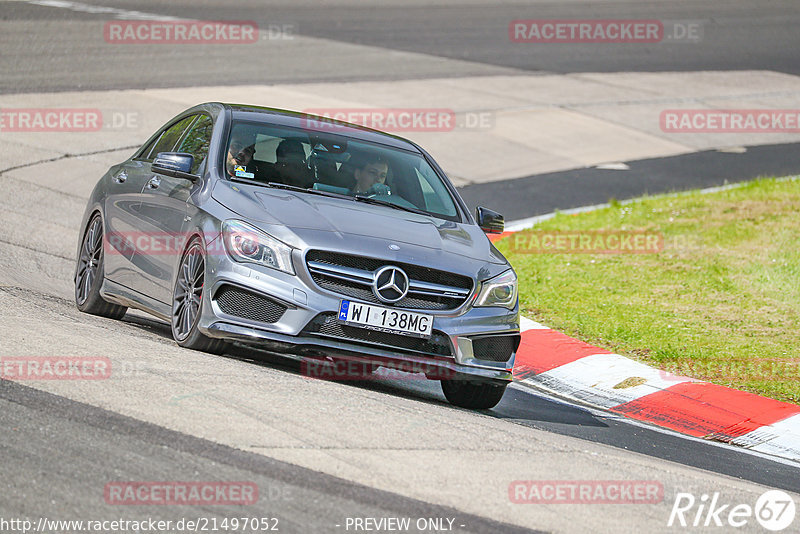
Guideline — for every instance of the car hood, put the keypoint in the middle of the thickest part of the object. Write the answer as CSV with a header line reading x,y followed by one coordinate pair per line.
x,y
307,220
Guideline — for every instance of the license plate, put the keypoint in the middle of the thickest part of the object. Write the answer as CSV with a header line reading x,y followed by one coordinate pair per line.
x,y
385,319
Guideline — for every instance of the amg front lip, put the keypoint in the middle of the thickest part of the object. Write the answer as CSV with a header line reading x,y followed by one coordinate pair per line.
x,y
299,346
299,325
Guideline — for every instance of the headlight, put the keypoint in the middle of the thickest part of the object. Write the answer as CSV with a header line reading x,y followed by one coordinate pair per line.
x,y
499,291
247,244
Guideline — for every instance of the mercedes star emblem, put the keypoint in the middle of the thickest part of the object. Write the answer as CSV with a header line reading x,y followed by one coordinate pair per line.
x,y
390,284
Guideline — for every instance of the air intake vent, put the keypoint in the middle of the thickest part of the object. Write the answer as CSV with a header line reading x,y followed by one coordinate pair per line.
x,y
248,305
495,348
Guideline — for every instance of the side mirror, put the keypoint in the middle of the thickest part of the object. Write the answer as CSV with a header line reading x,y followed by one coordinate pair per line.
x,y
176,164
490,221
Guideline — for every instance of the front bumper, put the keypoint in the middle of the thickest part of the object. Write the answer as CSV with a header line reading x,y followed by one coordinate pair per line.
x,y
301,309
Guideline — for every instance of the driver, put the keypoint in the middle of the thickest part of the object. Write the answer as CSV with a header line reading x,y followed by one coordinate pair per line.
x,y
370,171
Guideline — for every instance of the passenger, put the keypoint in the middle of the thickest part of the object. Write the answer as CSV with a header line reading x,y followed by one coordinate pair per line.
x,y
239,161
370,171
290,150
290,165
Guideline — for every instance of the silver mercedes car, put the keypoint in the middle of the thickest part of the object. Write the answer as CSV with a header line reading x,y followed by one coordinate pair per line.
x,y
311,238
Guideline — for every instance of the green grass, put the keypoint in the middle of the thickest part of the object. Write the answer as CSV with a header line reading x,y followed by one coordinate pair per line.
x,y
720,302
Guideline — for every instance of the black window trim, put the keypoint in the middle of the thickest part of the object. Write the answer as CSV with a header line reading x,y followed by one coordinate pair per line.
x,y
151,144
198,117
462,216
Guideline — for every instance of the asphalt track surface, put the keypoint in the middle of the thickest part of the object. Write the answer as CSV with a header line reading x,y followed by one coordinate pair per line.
x,y
60,447
737,35
104,445
544,193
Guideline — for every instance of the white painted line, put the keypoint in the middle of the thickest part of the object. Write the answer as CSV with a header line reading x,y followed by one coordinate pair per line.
x,y
554,396
781,438
607,380
122,14
614,166
526,324
522,224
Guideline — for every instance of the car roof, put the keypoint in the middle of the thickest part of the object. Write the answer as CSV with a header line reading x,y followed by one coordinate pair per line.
x,y
296,119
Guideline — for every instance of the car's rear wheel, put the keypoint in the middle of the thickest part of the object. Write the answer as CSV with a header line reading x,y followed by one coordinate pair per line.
x,y
187,301
89,274
473,395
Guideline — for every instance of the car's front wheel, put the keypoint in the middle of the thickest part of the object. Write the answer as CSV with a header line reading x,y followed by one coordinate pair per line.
x,y
187,301
89,274
472,395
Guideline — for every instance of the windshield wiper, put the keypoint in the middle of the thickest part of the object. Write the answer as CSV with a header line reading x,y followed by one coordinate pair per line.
x,y
370,200
277,185
245,180
359,198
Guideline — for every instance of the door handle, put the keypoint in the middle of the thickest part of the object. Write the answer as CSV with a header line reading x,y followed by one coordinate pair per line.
x,y
154,182
121,177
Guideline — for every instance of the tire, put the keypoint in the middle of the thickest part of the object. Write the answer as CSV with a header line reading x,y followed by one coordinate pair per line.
x,y
187,301
473,395
89,274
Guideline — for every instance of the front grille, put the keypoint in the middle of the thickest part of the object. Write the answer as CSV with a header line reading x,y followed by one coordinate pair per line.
x,y
351,276
495,348
248,305
327,325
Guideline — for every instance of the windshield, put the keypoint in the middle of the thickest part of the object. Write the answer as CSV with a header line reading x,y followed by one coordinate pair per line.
x,y
322,162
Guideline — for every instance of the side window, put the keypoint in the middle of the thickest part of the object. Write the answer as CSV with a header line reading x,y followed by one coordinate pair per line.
x,y
437,200
170,136
197,140
146,150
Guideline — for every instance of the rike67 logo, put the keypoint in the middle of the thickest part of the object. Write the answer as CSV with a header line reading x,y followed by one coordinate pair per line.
x,y
774,510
